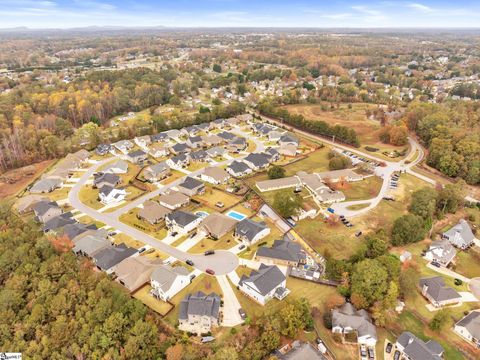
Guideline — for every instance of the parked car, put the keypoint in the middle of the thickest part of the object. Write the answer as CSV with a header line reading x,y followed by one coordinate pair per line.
x,y
436,264
220,204
363,351
389,348
193,234
241,247
396,355
189,262
358,233
371,353
173,234
209,252
210,272
242,313
193,276
349,225
142,249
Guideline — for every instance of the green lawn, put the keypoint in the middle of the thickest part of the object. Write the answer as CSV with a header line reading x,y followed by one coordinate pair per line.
x,y
89,196
361,190
467,263
316,161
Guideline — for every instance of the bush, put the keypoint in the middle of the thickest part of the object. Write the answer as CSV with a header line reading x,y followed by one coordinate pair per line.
x,y
327,320
276,172
371,149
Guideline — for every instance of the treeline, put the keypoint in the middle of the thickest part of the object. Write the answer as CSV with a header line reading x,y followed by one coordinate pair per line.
x,y
341,133
451,132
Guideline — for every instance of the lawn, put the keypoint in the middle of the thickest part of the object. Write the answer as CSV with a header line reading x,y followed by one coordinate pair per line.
x,y
85,219
59,194
224,243
212,196
174,175
360,190
143,294
89,196
130,218
467,263
127,240
196,165
316,161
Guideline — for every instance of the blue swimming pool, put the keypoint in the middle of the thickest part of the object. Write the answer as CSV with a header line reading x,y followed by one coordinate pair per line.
x,y
202,214
236,215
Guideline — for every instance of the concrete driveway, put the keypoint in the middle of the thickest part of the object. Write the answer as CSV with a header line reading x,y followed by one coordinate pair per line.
x,y
231,317
474,286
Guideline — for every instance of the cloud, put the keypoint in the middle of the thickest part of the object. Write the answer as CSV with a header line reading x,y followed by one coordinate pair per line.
x,y
421,7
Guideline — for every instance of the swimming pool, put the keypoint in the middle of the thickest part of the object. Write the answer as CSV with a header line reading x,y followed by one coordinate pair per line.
x,y
236,215
202,214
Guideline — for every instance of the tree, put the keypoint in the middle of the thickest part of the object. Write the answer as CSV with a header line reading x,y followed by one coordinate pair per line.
x,y
369,283
276,172
217,68
408,229
175,352
439,320
423,203
339,162
377,244
451,197
286,203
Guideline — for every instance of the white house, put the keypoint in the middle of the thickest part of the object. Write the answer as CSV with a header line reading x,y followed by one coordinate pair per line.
x,y
262,285
347,319
250,232
109,195
214,175
469,328
182,221
167,281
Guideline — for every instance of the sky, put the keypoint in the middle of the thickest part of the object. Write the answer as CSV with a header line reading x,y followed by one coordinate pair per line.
x,y
239,13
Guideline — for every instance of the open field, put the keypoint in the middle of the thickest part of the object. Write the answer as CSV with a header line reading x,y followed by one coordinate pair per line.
x,y
360,190
212,196
143,294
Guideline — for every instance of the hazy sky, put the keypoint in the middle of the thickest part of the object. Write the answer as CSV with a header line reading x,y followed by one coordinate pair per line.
x,y
239,13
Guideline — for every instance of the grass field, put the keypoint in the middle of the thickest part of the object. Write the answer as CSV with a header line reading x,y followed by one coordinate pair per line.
x,y
212,196
59,194
130,218
361,190
89,196
143,294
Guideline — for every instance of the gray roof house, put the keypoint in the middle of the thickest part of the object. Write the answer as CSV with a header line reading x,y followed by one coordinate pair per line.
x,y
216,151
46,185
156,172
237,144
167,281
71,231
45,210
288,138
58,222
27,203
89,245
226,135
182,221
257,161
179,161
460,235
435,290
238,169
195,142
469,327
100,179
107,258
199,155
199,312
441,252
191,186
282,252
250,231
118,167
179,148
346,319
262,285
301,351
416,349
272,154
137,156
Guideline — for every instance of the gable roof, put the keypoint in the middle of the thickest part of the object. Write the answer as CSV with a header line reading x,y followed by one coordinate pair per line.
x,y
347,316
179,158
200,304
182,218
180,148
41,207
283,250
133,272
463,231
165,275
105,177
46,185
73,230
258,160
437,289
249,228
217,224
239,167
191,183
59,221
174,198
417,349
158,168
28,202
91,244
111,256
226,135
472,323
137,153
152,211
267,278
199,155
216,173
121,165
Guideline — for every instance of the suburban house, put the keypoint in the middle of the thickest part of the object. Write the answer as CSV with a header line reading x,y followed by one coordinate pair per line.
x,y
435,291
249,231
101,179
217,124
225,135
217,225
72,231
321,192
212,140
216,151
118,167
414,348
109,195
245,118
288,150
182,221
156,172
288,139
102,233
103,149
199,155
173,200
167,281
134,272
441,252
173,134
238,169
27,203
179,161
460,235
55,224
214,175
124,146
143,141
274,135
106,259
89,245
299,351
272,154
199,312
469,328
195,142
203,126
347,319
160,137
190,130
46,185
191,186
282,252
237,144
262,285
158,150
257,161
152,212
179,148
137,156
45,210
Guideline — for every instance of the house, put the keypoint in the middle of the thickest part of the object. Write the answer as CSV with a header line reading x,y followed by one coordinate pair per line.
x,y
405,256
55,224
179,148
191,186
435,291
300,351
103,149
203,126
72,231
212,140
124,146
288,150
217,225
282,252
214,175
340,175
137,156
257,161
134,272
245,118
156,172
249,231
118,167
160,137
167,281
106,259
190,131
81,155
173,200
199,155
173,134
182,221
100,179
27,203
143,141
45,210
218,124
237,144
441,252
158,150
179,161
232,121
152,212
469,328
347,319
321,192
262,285
460,235
89,245
46,185
216,151
274,135
238,169
109,195
225,135
414,348
195,142
288,139
199,312
277,184
273,154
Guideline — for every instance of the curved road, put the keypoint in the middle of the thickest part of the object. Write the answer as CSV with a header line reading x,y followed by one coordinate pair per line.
x,y
222,262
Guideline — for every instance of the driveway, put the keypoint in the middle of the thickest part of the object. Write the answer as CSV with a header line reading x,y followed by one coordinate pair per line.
x,y
474,287
449,273
231,317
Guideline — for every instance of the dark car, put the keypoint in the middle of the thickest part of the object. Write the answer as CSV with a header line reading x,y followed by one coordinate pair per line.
x,y
241,247
174,234
210,271
141,250
193,234
242,313
193,276
436,264
209,252
396,356
358,233
389,348
189,262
